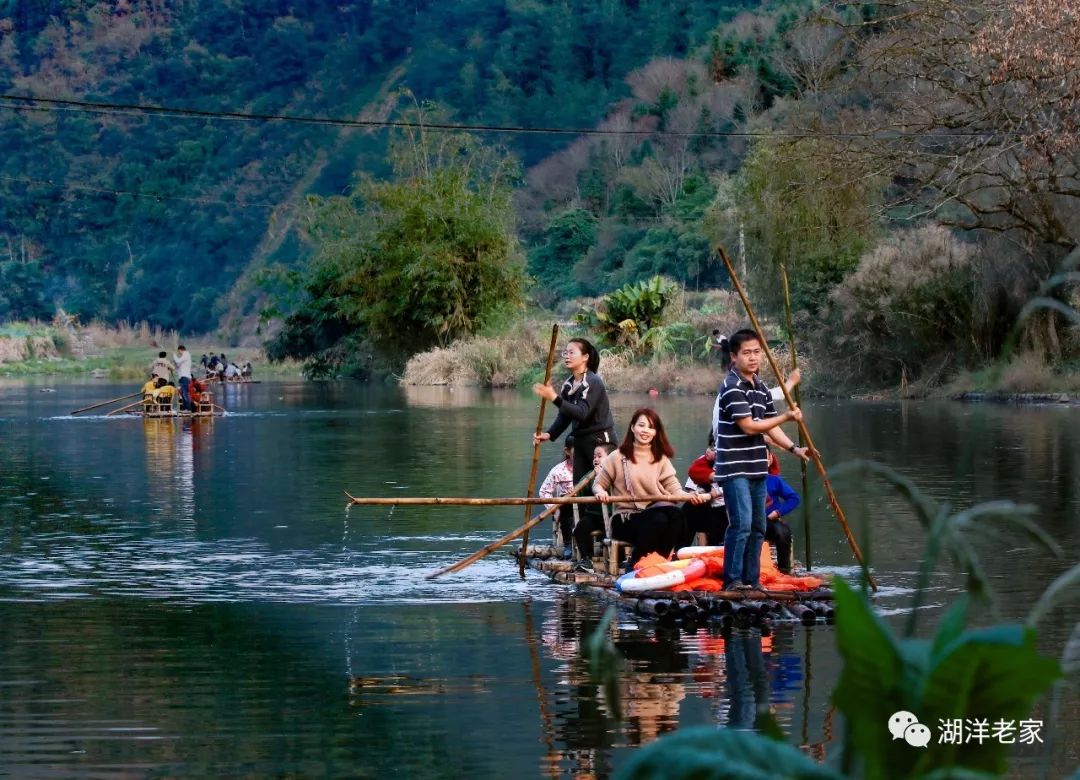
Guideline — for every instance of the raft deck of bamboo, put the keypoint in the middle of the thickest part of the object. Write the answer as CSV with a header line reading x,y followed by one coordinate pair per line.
x,y
162,413
744,608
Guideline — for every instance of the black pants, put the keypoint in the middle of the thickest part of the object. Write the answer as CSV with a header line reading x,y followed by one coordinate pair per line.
x,y
658,529
583,533
778,534
709,520
565,519
590,517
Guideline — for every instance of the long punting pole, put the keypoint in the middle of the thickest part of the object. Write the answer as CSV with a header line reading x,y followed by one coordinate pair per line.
x,y
798,400
106,403
803,431
536,444
526,501
487,549
124,408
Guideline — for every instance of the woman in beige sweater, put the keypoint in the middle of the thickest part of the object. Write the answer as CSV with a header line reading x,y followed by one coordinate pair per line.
x,y
641,466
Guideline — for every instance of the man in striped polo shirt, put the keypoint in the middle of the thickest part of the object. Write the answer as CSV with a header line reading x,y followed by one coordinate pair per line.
x,y
744,413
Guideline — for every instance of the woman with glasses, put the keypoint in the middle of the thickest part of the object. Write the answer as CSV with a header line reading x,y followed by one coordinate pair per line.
x,y
582,404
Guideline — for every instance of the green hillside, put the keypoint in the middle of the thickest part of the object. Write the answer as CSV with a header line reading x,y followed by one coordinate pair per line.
x,y
142,217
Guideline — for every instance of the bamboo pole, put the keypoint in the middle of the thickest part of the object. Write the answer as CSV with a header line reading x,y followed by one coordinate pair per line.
x,y
798,400
106,403
830,494
536,444
527,501
489,548
124,408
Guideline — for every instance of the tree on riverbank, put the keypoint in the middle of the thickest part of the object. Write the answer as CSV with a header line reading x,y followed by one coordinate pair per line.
x,y
412,262
971,110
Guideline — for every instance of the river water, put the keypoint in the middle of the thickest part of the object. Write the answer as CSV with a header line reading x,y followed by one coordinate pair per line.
x,y
192,599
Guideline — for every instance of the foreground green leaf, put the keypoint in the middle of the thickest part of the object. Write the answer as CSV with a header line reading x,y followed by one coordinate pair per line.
x,y
707,753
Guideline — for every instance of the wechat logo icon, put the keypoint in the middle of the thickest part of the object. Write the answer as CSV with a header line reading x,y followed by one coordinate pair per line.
x,y
903,725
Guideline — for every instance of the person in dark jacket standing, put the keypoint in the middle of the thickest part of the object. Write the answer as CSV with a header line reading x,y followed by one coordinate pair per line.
x,y
582,405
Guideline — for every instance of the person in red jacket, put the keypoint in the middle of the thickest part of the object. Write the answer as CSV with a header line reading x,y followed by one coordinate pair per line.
x,y
708,518
196,390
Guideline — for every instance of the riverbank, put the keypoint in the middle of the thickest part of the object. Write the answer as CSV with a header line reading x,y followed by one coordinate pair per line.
x,y
516,360
686,366
120,352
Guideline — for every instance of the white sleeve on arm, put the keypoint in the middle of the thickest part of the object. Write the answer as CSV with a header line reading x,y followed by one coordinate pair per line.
x,y
547,489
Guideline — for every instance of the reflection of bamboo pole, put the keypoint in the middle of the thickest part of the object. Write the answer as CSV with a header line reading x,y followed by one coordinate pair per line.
x,y
536,444
806,693
830,494
798,400
546,728
489,548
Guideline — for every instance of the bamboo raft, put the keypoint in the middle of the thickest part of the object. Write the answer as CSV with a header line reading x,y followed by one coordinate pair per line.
x,y
730,608
217,411
166,409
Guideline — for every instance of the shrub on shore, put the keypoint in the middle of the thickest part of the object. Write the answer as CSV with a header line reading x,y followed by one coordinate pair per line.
x,y
1027,372
488,361
516,358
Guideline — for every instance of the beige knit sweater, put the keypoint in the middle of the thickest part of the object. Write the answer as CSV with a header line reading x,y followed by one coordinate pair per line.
x,y
646,479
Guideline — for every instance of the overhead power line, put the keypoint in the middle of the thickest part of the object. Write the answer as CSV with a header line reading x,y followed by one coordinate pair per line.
x,y
26,102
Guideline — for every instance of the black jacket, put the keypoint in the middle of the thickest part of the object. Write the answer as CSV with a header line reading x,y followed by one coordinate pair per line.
x,y
586,408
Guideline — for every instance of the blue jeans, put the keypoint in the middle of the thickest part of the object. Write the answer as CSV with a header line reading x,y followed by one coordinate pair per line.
x,y
745,502
185,396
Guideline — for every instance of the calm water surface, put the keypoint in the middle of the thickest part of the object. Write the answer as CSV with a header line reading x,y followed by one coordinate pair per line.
x,y
191,599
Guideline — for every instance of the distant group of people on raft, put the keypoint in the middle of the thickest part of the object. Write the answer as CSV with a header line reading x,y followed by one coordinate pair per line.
x,y
172,379
219,367
733,495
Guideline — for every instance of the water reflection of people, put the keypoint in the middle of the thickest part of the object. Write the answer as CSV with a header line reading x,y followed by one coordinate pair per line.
x,y
581,724
655,687
160,447
747,679
742,673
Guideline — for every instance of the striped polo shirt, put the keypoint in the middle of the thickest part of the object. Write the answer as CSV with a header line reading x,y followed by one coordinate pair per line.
x,y
739,454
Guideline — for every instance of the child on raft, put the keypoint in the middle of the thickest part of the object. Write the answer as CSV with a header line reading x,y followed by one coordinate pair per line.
x,y
559,482
709,518
590,522
780,500
641,466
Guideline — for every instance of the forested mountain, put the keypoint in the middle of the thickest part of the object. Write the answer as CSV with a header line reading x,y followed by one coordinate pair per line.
x,y
124,215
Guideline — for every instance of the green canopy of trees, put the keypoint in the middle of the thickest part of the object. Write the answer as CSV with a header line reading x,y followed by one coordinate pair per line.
x,y
142,217
412,261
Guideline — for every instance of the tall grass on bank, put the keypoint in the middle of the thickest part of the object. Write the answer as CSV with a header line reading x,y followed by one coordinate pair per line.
x,y
20,341
483,361
679,360
98,336
517,359
121,351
